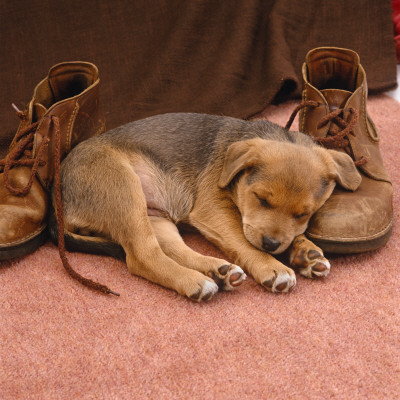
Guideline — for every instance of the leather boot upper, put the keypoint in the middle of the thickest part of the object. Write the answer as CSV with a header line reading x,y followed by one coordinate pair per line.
x,y
69,93
335,80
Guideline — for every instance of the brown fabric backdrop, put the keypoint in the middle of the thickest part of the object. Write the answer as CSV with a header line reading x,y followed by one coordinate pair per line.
x,y
223,57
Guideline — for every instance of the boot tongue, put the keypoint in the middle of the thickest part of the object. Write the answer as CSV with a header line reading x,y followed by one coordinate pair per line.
x,y
336,98
38,111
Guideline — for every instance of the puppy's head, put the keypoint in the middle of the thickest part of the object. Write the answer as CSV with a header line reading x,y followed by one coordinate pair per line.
x,y
278,186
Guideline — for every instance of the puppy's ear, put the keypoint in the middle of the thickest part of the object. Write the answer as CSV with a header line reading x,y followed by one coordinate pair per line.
x,y
239,156
346,174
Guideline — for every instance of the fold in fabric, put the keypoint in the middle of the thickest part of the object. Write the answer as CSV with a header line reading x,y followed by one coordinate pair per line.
x,y
228,57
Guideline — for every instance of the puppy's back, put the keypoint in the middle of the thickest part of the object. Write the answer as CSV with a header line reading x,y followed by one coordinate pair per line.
x,y
193,140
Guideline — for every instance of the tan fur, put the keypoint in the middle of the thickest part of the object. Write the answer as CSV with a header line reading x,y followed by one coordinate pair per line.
x,y
254,189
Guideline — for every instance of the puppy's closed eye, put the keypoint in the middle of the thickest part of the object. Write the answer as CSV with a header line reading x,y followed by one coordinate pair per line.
x,y
263,202
301,216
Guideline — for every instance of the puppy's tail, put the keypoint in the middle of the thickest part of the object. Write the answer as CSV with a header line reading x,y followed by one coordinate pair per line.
x,y
84,244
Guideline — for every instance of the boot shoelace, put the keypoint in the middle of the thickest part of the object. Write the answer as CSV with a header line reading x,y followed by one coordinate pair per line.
x,y
337,137
24,145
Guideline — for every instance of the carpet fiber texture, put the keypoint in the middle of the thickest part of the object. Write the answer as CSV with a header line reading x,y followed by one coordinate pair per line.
x,y
335,338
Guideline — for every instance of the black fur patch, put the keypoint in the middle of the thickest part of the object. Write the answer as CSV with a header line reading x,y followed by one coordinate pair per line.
x,y
74,244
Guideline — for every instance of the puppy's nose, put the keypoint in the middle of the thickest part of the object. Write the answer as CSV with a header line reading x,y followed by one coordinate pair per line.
x,y
270,244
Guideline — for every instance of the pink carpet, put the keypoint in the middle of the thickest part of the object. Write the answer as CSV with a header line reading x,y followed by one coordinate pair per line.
x,y
337,338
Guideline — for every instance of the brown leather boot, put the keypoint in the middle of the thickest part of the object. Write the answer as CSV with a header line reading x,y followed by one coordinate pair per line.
x,y
64,111
334,112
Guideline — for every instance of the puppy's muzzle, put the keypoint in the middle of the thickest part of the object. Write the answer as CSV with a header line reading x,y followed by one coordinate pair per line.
x,y
270,244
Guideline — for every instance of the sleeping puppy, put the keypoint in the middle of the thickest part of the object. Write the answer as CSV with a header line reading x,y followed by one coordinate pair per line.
x,y
250,187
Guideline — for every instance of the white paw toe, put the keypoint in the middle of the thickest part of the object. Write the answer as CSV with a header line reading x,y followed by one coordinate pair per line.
x,y
234,278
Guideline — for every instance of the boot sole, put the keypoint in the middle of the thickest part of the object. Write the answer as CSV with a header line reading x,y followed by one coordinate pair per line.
x,y
24,248
352,247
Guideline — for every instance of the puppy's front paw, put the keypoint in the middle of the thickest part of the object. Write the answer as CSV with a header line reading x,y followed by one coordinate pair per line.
x,y
309,259
206,290
280,280
228,276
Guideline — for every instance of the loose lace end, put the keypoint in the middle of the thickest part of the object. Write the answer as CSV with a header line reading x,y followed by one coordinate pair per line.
x,y
60,219
16,108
